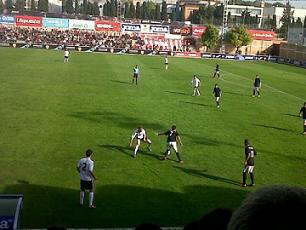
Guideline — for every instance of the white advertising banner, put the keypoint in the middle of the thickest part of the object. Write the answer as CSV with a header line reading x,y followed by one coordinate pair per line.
x,y
81,24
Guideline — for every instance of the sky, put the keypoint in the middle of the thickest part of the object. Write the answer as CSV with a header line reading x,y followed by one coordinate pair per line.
x,y
295,3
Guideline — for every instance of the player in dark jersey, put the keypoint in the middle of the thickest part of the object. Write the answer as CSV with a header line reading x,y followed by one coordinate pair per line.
x,y
249,161
218,93
135,74
303,115
217,71
257,86
172,138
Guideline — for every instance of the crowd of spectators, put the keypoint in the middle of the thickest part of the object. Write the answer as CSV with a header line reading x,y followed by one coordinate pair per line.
x,y
69,37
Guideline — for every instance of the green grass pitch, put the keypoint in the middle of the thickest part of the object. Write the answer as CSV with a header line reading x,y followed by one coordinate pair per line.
x,y
52,112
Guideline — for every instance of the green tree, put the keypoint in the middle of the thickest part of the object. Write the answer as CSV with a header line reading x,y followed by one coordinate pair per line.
x,y
305,22
43,5
238,37
138,10
69,6
19,4
274,22
229,18
9,4
132,10
76,6
211,37
84,7
157,12
95,9
173,16
127,10
33,6
164,15
286,20
151,10
299,23
1,6
145,12
113,9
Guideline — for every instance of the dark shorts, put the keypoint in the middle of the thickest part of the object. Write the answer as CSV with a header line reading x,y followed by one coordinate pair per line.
x,y
135,75
66,57
86,185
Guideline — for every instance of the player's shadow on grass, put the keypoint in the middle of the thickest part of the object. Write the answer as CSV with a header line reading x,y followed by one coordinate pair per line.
x,y
238,94
122,82
117,119
120,205
291,115
202,173
195,103
129,150
276,128
178,93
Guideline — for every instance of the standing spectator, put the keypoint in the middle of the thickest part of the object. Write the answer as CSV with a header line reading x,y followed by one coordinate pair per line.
x,y
218,93
249,161
136,74
303,115
172,138
196,83
217,71
257,86
85,168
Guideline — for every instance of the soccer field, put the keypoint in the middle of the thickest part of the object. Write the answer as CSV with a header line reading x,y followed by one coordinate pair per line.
x,y
51,112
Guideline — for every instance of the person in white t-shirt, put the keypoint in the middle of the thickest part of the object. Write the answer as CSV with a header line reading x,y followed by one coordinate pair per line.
x,y
140,135
85,168
66,55
196,83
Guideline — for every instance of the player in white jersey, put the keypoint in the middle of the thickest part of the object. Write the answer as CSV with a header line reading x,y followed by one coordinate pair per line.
x,y
66,56
135,74
196,83
85,168
166,62
140,135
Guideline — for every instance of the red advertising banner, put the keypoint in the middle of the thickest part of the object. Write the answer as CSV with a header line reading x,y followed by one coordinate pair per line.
x,y
188,54
262,35
22,20
197,31
107,26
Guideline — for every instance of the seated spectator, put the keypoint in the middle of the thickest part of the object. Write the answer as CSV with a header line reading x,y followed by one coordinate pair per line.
x,y
272,207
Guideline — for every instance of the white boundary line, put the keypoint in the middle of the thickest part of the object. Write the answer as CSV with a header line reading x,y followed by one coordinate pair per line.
x,y
275,89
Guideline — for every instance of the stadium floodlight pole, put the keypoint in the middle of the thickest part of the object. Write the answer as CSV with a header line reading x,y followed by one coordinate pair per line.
x,y
224,26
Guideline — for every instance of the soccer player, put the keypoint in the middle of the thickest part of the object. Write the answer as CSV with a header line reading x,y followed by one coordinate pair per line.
x,y
218,93
136,74
85,168
303,115
196,83
140,135
166,62
172,138
217,71
66,55
257,86
249,161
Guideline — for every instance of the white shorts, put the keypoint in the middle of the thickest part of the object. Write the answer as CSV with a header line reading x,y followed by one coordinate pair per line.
x,y
173,145
248,169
